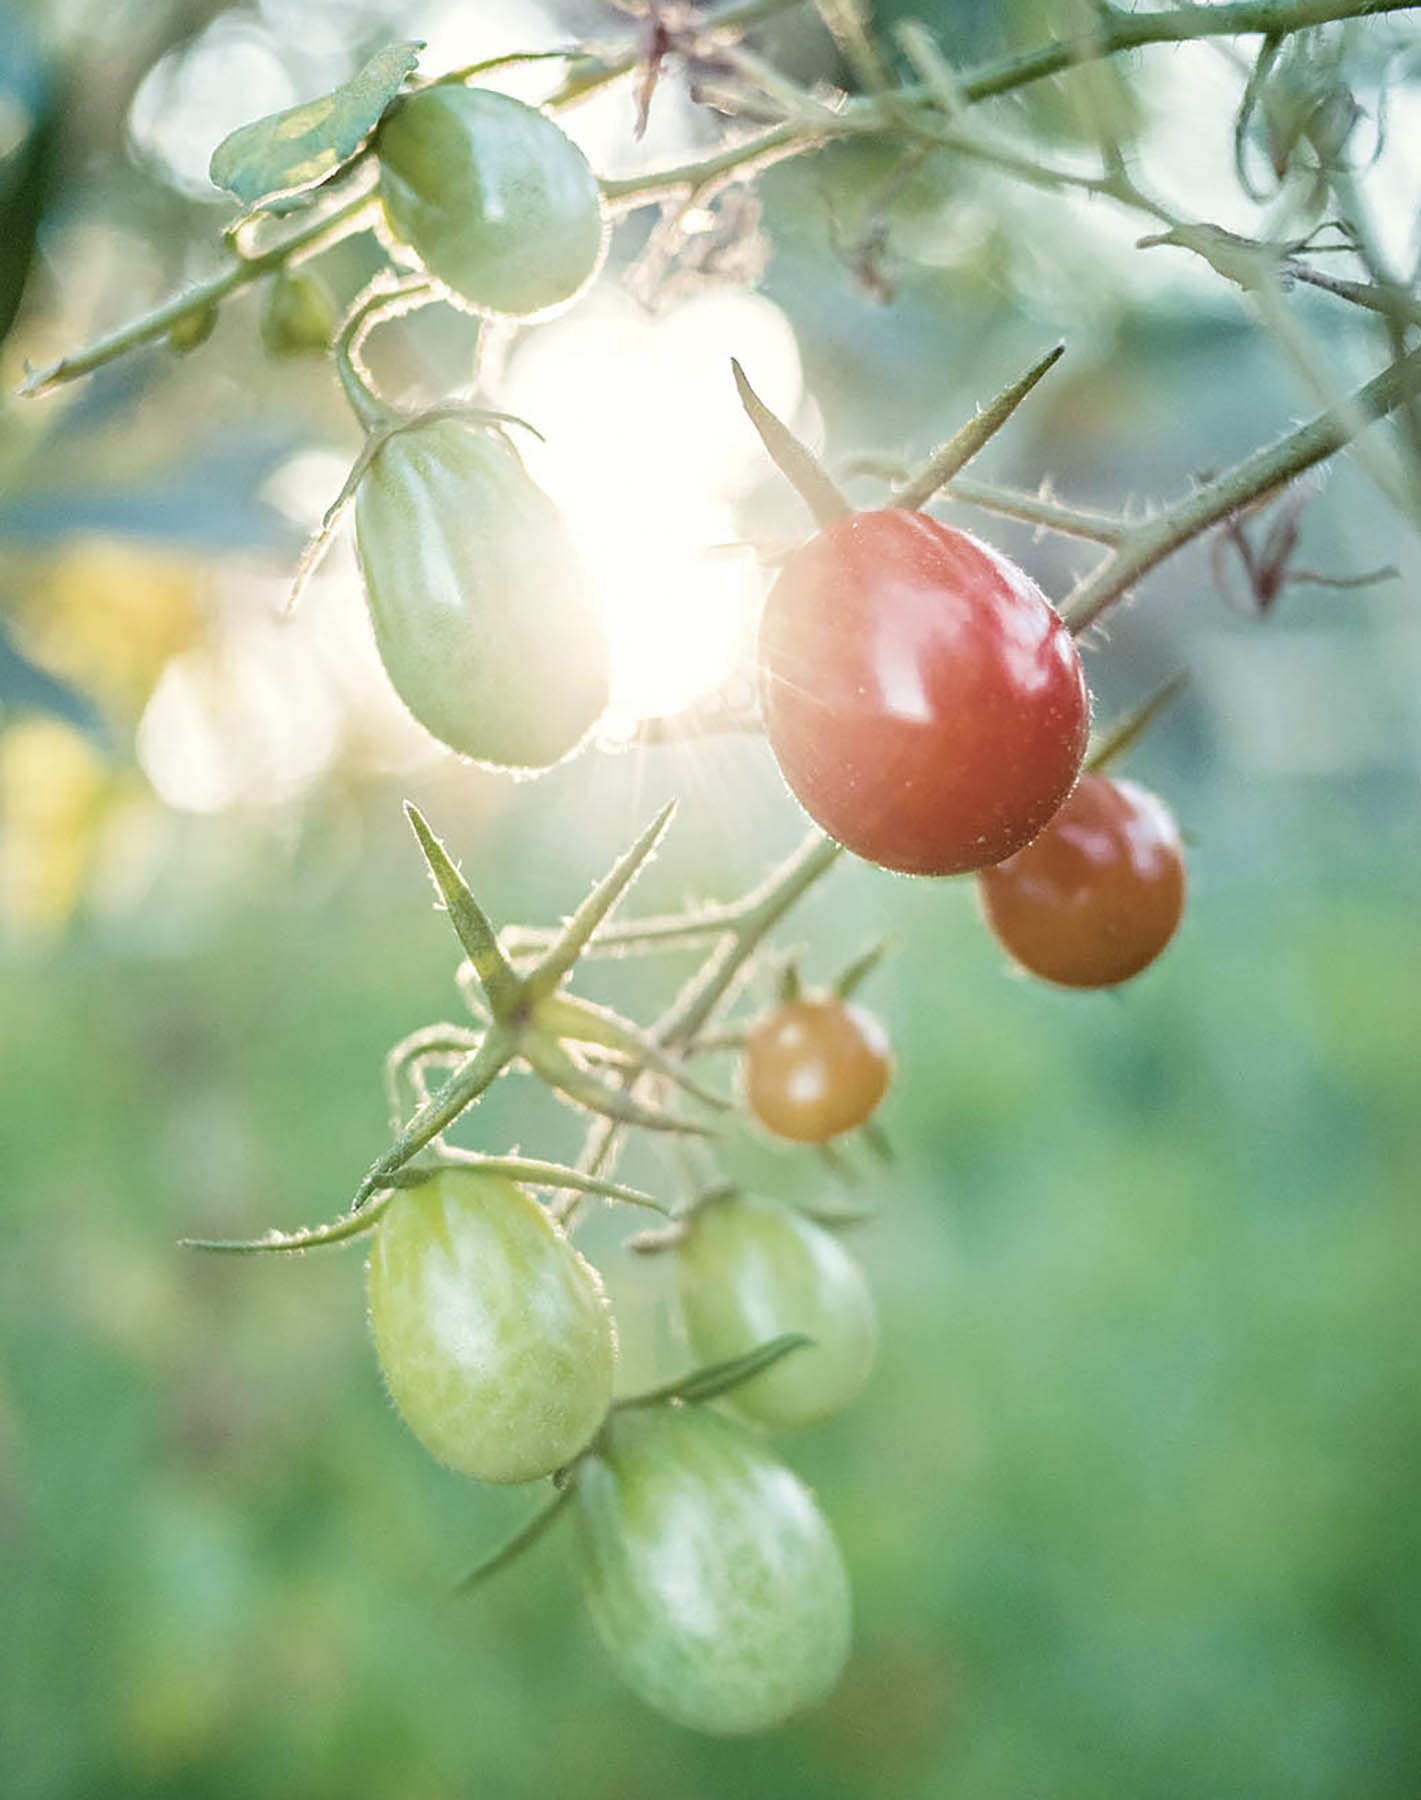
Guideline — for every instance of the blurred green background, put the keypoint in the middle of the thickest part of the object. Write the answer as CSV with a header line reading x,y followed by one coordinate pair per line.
x,y
1130,1505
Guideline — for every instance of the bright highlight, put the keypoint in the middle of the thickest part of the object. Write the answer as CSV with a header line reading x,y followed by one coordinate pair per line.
x,y
646,452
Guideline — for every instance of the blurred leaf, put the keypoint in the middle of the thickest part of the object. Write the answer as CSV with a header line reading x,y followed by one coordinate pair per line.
x,y
295,149
211,500
26,687
55,789
26,176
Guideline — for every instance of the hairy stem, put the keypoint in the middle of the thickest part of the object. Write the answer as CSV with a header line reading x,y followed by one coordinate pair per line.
x,y
1149,543
353,216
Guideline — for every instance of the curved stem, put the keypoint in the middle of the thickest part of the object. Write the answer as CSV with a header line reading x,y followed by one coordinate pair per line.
x,y
383,300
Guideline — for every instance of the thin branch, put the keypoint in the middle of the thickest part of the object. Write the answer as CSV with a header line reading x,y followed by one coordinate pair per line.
x,y
1148,544
319,235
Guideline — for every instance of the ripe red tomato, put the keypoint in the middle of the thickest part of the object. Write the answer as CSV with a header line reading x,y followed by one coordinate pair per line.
x,y
815,1067
926,706
1097,896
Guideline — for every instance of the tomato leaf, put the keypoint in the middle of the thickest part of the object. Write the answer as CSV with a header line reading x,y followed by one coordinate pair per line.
x,y
295,149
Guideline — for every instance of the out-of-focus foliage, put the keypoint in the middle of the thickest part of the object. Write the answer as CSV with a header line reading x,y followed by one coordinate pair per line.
x,y
1126,1503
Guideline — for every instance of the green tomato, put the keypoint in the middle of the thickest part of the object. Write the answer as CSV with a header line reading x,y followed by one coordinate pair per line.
x,y
300,316
712,1577
494,1335
485,614
746,1272
192,329
494,198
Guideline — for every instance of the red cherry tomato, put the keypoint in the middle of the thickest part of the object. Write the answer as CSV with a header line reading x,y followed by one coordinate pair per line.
x,y
1097,896
815,1067
926,706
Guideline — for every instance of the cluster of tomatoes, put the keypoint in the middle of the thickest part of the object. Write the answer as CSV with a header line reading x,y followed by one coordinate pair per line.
x,y
925,704
927,708
710,1573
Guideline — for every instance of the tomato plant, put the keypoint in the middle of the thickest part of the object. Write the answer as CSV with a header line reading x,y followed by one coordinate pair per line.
x,y
815,1067
711,1575
494,1335
924,703
1098,895
484,611
748,1271
494,198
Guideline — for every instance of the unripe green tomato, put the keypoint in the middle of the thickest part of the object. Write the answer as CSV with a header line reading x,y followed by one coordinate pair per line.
x,y
494,1335
495,199
712,1577
484,612
192,329
299,317
746,1272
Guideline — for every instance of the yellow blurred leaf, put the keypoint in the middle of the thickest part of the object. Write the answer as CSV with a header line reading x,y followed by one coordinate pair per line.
x,y
110,616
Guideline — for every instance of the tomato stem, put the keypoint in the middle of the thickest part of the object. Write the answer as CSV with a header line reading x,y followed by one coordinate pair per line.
x,y
1146,545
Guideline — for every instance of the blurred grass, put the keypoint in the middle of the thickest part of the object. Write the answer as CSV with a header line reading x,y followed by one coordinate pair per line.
x,y
1130,1505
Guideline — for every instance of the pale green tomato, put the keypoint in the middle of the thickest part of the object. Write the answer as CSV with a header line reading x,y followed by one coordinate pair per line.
x,y
712,1577
493,1333
484,612
747,1272
299,316
495,199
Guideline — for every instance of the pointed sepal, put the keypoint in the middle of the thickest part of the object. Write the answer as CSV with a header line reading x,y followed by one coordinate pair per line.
x,y
575,935
497,976
952,457
310,1237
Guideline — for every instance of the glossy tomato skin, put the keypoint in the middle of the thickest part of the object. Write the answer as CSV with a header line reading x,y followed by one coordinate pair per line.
x,y
1097,896
748,1271
925,704
494,197
485,615
711,1575
815,1067
494,1335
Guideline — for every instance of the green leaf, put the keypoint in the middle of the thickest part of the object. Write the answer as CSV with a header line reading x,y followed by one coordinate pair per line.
x,y
297,148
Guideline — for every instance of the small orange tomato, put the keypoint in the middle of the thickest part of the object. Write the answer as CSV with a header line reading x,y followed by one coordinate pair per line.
x,y
816,1067
1097,896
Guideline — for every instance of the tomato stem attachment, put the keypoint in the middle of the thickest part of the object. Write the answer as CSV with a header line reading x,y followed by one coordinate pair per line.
x,y
386,298
1124,733
799,466
951,458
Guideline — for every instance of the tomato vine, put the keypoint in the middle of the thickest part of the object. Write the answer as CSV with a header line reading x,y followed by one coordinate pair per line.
x,y
923,699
